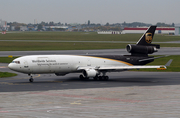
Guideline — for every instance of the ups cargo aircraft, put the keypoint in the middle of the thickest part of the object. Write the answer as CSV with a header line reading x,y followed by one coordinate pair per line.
x,y
91,66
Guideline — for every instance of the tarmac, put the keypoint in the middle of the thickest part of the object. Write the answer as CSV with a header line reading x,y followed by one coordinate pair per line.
x,y
116,102
127,94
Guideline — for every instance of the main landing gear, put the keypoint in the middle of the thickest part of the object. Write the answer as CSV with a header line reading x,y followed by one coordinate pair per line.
x,y
83,78
31,78
101,78
96,78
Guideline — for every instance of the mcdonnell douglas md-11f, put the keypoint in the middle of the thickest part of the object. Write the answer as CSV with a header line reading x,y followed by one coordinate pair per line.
x,y
95,66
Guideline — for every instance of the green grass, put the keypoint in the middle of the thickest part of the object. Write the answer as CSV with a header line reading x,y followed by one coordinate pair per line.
x,y
6,59
33,46
6,74
81,36
24,45
170,45
65,36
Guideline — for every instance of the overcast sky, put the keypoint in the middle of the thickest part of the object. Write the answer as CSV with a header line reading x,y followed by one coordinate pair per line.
x,y
97,11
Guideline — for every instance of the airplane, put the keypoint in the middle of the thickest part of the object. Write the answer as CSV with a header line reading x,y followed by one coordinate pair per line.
x,y
91,66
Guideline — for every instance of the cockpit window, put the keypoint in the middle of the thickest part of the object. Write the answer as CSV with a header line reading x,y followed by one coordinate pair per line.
x,y
17,62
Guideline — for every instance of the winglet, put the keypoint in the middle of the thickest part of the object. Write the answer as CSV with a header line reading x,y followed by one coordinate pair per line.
x,y
169,62
152,58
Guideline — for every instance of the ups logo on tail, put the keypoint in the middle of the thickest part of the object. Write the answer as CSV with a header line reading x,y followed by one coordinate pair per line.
x,y
148,37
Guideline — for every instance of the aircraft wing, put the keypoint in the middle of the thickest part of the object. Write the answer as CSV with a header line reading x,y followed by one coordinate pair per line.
x,y
121,67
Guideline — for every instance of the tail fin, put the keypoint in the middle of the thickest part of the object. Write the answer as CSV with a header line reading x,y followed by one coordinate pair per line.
x,y
147,37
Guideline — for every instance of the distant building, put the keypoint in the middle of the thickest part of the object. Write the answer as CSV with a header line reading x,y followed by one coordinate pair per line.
x,y
31,28
12,28
23,28
55,28
89,22
109,32
3,25
159,30
177,29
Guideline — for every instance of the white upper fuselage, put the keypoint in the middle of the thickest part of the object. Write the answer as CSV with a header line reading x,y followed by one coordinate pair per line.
x,y
38,64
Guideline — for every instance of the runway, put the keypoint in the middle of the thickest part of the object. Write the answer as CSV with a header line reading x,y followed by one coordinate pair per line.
x,y
126,94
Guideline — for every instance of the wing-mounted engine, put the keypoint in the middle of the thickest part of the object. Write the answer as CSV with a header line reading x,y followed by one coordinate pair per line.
x,y
142,49
90,73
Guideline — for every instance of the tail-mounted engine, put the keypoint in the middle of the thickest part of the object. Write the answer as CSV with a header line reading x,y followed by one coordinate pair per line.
x,y
142,49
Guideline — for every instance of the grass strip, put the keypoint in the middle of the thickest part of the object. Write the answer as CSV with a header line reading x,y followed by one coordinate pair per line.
x,y
6,74
82,36
35,46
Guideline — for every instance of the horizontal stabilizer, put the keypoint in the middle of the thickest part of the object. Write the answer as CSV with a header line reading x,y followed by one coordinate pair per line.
x,y
152,58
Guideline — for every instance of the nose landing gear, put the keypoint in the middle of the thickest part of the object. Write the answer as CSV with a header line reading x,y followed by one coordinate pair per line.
x,y
31,78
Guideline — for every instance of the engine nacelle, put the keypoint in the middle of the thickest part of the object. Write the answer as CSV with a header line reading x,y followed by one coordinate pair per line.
x,y
90,73
140,49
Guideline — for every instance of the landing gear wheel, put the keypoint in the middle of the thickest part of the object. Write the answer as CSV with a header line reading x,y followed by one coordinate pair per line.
x,y
100,78
87,78
106,78
81,77
103,78
31,80
96,78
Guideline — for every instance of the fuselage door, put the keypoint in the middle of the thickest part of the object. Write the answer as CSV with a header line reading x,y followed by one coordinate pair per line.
x,y
88,62
26,64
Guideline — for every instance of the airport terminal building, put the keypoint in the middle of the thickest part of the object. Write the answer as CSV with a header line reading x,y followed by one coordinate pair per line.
x,y
3,25
177,29
159,30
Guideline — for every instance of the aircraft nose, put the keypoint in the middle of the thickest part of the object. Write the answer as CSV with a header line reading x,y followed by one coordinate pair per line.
x,y
10,66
